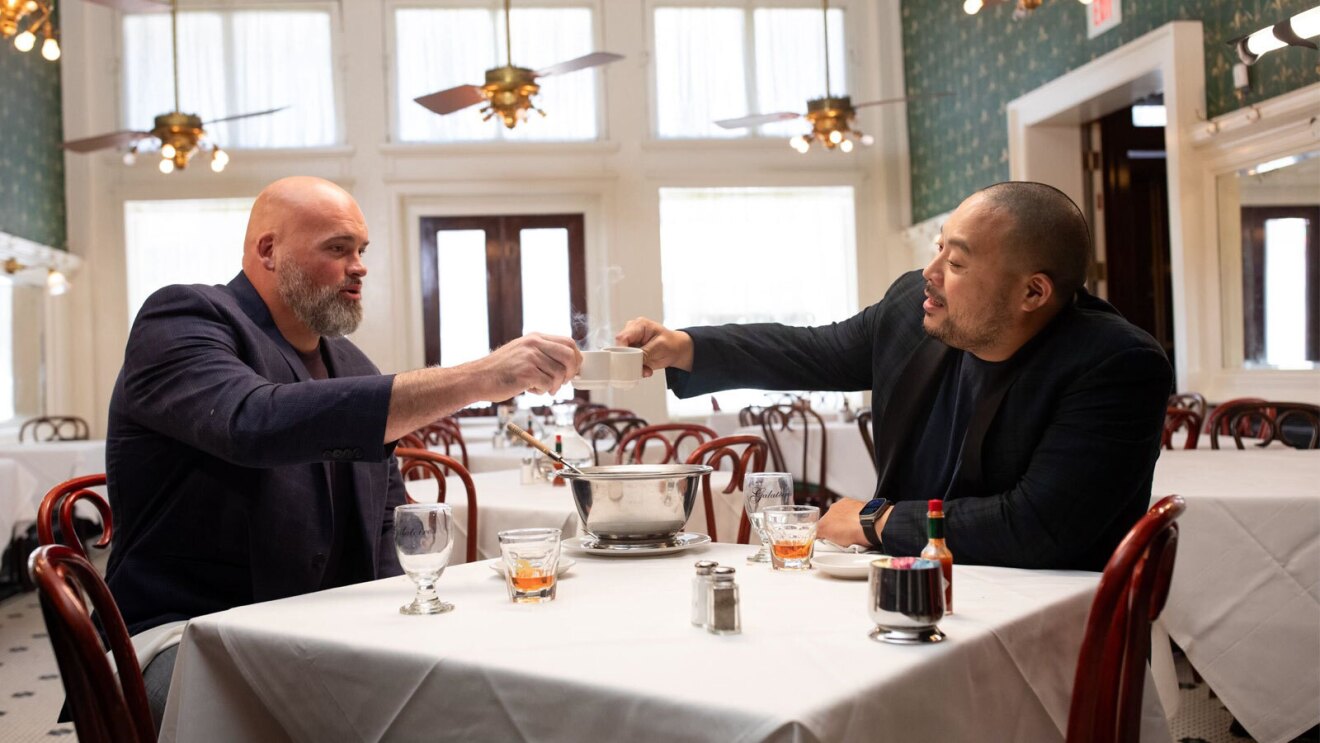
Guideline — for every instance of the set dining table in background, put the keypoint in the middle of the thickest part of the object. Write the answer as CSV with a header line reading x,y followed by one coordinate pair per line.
x,y
29,469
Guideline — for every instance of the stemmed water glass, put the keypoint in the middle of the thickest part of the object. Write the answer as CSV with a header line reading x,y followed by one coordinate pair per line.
x,y
761,489
423,540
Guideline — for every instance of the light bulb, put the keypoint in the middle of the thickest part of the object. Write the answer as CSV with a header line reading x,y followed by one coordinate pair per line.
x,y
1084,2
220,156
50,49
218,165
868,140
56,282
31,6
836,136
1307,23
972,7
1263,41
166,166
25,41
167,151
130,158
846,145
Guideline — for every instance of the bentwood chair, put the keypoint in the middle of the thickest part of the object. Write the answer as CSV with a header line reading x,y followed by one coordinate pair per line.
x,y
585,410
750,415
1290,423
1111,669
785,419
54,428
410,441
670,437
424,464
445,433
586,420
713,453
1218,420
59,503
1193,401
864,419
108,705
605,434
1176,419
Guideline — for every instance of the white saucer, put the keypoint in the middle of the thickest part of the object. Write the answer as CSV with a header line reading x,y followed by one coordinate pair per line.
x,y
589,384
593,546
564,564
846,565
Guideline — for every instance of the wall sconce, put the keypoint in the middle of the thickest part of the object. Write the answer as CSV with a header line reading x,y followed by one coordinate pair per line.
x,y
1292,32
56,282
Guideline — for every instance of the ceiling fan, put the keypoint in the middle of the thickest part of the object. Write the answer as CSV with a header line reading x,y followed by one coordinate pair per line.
x,y
508,90
831,117
38,15
181,135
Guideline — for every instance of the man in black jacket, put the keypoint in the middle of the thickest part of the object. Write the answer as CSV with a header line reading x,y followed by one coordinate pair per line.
x,y
998,384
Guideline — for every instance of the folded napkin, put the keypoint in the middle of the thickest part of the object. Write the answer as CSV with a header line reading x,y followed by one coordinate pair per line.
x,y
856,549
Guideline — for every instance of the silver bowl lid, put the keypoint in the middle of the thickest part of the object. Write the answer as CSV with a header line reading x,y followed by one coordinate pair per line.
x,y
637,472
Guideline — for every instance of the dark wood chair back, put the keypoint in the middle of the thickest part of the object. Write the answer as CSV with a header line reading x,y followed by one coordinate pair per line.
x,y
1193,401
107,707
584,422
424,464
410,441
445,433
864,419
59,503
585,410
1219,415
605,434
751,459
1179,418
1267,421
750,415
54,428
670,437
777,420
1111,668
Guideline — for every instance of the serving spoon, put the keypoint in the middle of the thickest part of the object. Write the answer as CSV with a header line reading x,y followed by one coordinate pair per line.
x,y
537,444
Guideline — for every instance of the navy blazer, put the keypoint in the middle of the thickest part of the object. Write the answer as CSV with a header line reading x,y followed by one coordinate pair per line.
x,y
1056,462
215,458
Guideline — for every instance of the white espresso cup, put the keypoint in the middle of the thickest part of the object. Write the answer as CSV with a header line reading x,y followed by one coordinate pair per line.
x,y
595,371
625,366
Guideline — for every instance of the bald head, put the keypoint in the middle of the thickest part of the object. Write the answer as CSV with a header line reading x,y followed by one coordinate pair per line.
x,y
290,204
1047,233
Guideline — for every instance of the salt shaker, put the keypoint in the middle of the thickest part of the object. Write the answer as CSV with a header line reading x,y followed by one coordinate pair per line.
x,y
527,473
723,614
700,591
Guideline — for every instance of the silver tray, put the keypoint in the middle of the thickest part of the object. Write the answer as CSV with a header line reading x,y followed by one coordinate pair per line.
x,y
593,546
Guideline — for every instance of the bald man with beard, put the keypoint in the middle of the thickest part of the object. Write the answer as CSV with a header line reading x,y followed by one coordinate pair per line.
x,y
250,447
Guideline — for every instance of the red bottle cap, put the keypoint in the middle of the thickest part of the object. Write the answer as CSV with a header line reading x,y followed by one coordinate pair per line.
x,y
559,438
935,504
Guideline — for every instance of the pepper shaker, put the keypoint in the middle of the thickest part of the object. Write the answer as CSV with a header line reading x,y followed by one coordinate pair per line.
x,y
700,591
724,615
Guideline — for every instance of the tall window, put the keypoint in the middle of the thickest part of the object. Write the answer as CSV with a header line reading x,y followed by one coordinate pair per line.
x,y
22,323
489,280
740,255
232,63
1281,285
728,62
182,242
440,48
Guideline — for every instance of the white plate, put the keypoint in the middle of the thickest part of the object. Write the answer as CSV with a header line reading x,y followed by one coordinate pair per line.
x,y
592,546
564,564
846,565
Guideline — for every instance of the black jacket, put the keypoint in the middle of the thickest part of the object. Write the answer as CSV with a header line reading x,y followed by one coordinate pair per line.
x,y
1057,463
215,458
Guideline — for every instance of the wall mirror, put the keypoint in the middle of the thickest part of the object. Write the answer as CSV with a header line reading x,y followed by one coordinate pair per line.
x,y
1269,263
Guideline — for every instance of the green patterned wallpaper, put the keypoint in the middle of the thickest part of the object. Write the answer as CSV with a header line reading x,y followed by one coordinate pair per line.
x,y
960,144
31,161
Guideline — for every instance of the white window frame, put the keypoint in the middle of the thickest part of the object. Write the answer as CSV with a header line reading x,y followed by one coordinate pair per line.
x,y
392,71
749,8
337,71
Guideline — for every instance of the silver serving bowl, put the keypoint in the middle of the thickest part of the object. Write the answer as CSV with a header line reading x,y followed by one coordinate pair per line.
x,y
635,502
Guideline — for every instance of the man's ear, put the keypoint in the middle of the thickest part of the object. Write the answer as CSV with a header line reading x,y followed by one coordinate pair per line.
x,y
1039,293
266,250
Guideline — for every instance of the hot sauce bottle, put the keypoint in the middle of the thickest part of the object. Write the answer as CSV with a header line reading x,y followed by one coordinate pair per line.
x,y
935,549
559,449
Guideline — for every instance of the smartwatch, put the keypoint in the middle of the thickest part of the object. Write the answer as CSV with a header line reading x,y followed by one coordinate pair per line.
x,y
871,513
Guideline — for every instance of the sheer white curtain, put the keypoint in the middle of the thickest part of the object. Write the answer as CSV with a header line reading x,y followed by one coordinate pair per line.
x,y
7,411
236,62
784,255
790,63
185,241
439,48
700,71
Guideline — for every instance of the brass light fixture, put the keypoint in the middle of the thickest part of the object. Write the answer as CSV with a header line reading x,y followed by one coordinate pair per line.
x,y
1299,30
509,89
56,282
35,15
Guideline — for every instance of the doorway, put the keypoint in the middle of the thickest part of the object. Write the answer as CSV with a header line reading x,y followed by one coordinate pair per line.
x,y
1132,201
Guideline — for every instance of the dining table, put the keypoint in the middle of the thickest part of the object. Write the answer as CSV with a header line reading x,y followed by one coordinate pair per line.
x,y
615,657
1244,602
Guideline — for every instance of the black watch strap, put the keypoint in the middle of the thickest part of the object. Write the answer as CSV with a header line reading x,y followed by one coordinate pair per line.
x,y
869,522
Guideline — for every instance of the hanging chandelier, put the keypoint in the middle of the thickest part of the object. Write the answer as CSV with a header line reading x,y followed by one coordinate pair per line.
x,y
33,16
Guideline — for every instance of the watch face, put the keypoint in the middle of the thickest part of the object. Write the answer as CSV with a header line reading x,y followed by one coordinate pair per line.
x,y
873,506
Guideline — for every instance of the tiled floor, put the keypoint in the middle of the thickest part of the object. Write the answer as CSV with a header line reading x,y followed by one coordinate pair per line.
x,y
31,694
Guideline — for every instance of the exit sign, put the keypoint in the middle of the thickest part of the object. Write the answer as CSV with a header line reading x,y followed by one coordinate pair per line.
x,y
1102,15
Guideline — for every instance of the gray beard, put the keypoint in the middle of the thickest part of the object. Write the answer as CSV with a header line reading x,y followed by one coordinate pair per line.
x,y
318,307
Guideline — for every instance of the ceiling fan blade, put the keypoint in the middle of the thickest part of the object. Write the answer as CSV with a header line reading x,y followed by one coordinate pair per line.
x,y
595,59
922,97
105,141
454,99
136,6
244,116
757,120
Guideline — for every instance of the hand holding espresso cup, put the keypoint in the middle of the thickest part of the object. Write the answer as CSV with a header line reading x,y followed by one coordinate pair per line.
x,y
661,347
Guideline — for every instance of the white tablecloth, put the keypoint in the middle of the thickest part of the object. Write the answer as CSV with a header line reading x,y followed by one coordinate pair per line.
x,y
1245,599
849,470
484,457
504,503
615,658
41,466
